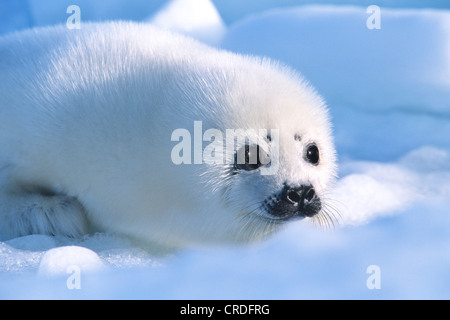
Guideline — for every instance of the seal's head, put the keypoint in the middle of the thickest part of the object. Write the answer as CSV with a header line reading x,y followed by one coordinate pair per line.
x,y
279,154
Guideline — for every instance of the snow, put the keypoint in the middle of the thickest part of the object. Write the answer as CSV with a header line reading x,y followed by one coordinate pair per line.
x,y
336,52
59,261
197,18
50,12
235,10
389,95
369,190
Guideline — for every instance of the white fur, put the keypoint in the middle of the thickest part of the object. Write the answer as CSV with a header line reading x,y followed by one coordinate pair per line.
x,y
86,118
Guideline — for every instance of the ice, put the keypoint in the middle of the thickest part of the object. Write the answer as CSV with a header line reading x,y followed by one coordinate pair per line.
x,y
196,18
369,189
405,65
49,12
299,263
236,10
388,91
63,260
14,15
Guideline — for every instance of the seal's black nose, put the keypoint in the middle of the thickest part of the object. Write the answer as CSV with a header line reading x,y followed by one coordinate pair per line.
x,y
303,200
293,202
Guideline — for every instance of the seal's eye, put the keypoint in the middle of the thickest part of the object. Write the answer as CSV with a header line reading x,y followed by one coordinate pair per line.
x,y
312,154
249,158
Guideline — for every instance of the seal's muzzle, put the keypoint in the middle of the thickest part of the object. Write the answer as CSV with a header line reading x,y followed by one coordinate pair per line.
x,y
294,202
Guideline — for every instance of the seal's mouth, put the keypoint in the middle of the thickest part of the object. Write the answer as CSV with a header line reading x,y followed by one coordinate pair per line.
x,y
292,203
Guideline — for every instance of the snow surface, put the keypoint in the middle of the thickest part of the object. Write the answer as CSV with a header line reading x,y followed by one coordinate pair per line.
x,y
197,18
389,94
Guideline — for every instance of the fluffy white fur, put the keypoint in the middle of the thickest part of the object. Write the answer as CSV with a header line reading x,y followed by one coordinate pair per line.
x,y
86,118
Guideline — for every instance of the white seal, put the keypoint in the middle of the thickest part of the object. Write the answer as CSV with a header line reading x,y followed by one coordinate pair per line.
x,y
88,123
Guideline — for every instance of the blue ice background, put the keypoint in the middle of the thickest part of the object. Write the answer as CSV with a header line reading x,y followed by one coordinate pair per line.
x,y
388,92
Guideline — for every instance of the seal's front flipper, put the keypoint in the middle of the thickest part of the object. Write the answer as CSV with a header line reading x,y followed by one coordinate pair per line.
x,y
32,213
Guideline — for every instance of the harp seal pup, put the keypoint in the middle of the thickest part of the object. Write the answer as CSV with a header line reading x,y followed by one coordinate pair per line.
x,y
87,123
